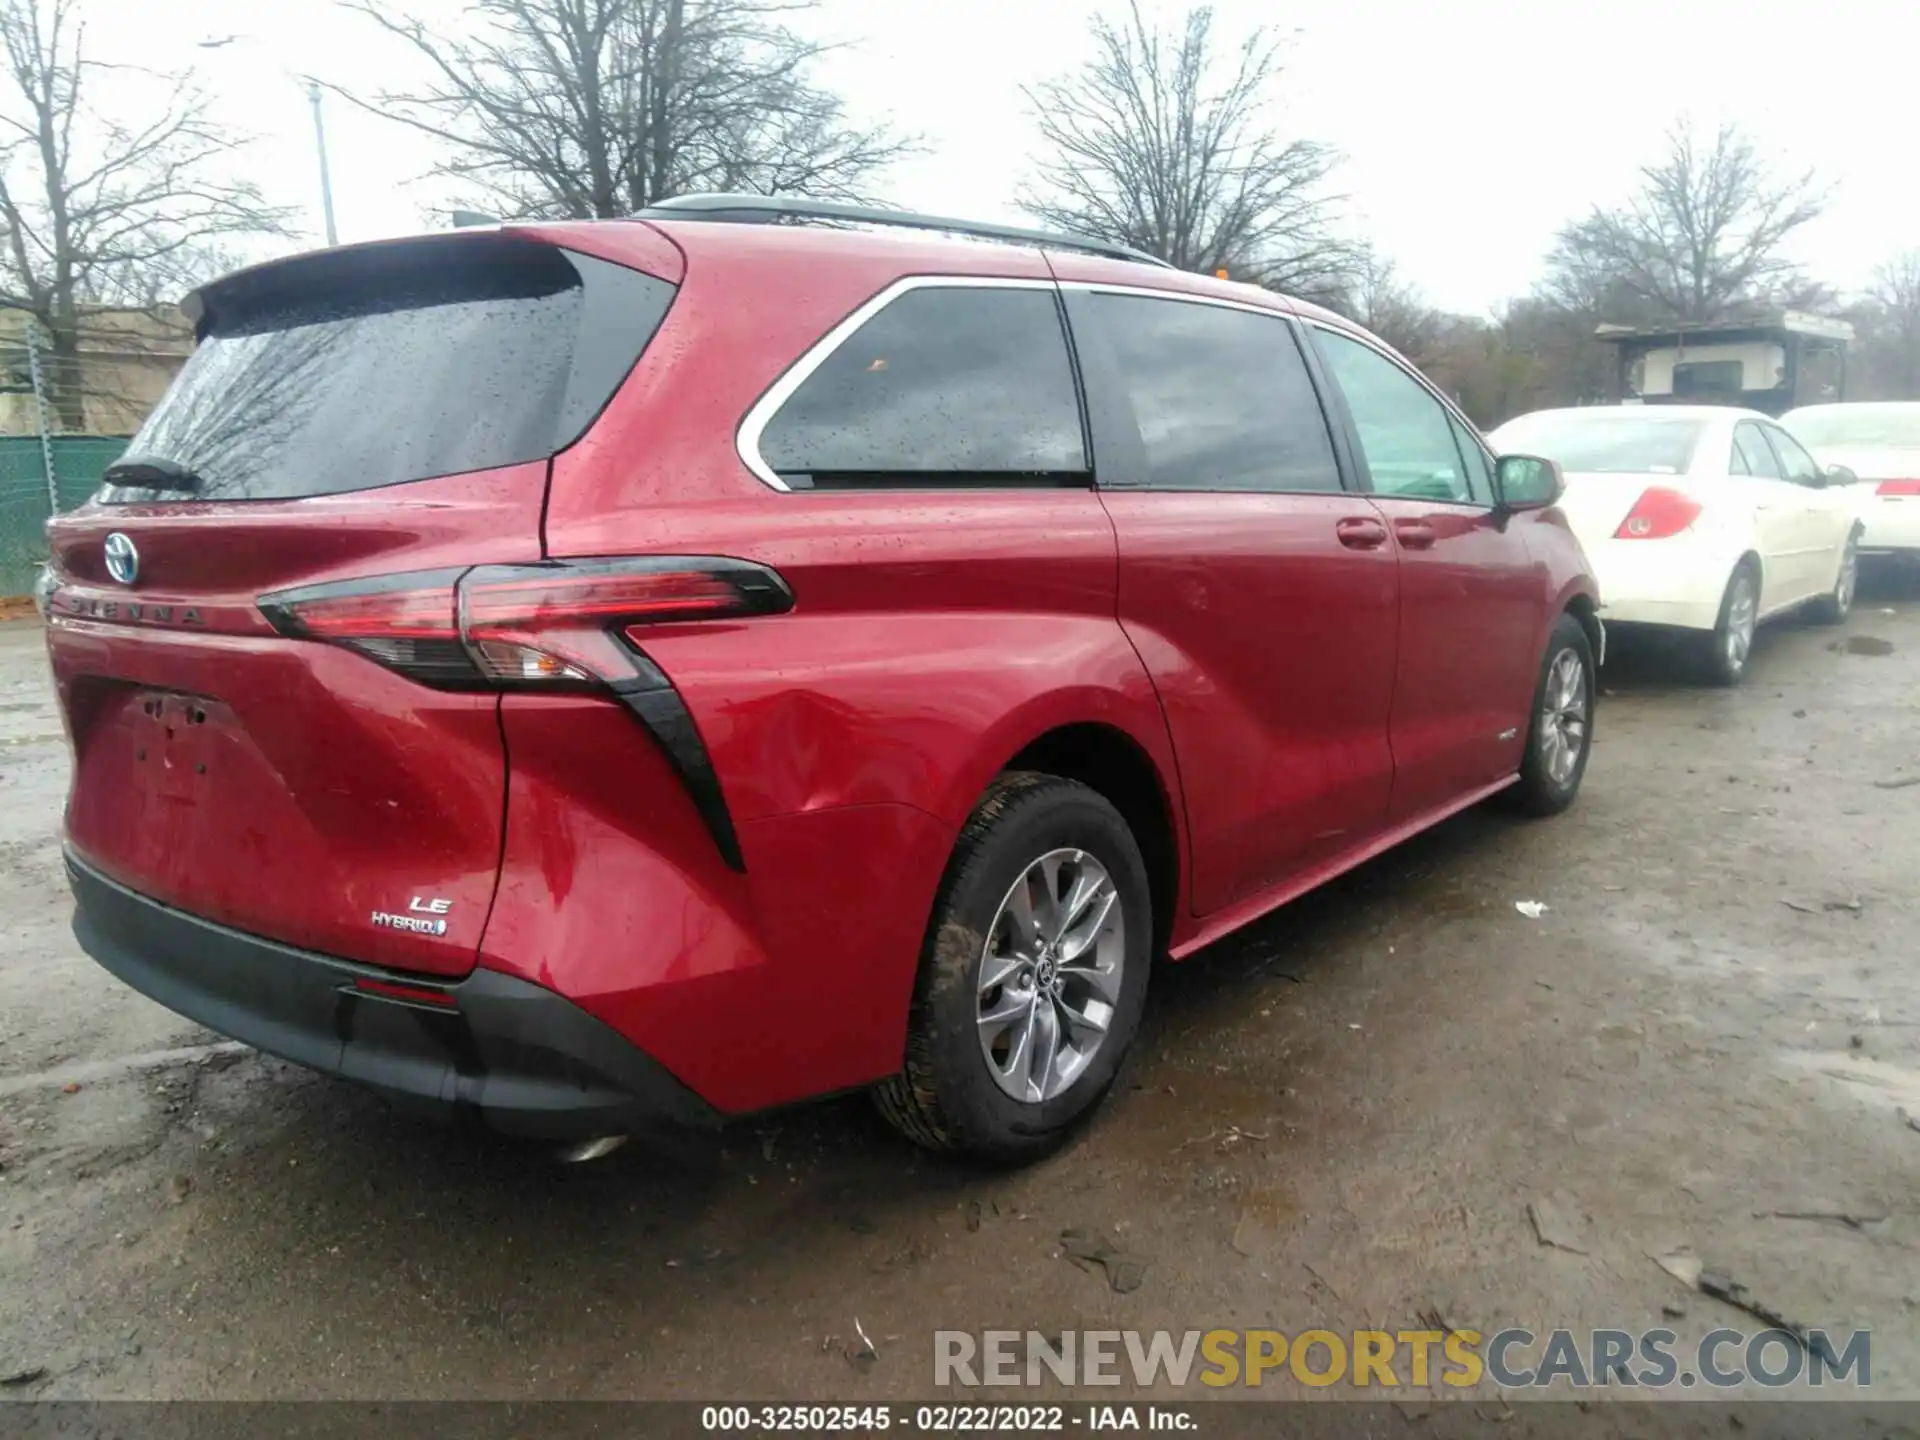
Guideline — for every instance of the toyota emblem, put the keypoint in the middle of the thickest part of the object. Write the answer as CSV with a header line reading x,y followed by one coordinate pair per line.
x,y
123,561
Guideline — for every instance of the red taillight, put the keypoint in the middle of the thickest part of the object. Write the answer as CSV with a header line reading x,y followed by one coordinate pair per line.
x,y
543,595
405,622
1898,487
396,615
555,625
1658,514
566,625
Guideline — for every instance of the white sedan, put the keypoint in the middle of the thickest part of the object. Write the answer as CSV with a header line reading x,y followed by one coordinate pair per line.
x,y
1880,442
1704,518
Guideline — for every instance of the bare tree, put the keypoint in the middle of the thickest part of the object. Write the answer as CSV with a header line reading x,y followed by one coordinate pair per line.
x,y
595,108
1375,296
1888,322
95,212
1162,143
1700,239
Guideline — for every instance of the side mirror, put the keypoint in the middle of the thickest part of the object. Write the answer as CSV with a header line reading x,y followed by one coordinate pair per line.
x,y
1841,475
1526,482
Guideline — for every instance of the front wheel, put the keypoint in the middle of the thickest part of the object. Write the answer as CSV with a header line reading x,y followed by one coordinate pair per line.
x,y
1837,603
1033,976
1561,734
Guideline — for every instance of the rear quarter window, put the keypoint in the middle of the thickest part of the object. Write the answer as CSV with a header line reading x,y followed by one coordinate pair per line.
x,y
944,385
352,370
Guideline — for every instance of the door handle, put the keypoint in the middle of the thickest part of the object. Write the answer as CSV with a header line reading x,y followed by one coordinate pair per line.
x,y
1358,532
1414,534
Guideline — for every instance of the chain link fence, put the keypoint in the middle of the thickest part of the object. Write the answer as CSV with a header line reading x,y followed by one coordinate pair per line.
x,y
27,501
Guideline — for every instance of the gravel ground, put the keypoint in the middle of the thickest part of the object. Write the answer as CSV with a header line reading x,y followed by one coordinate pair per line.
x,y
1341,1116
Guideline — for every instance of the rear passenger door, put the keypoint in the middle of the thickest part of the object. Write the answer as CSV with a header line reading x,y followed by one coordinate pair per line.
x,y
1472,598
1825,514
1780,520
1257,589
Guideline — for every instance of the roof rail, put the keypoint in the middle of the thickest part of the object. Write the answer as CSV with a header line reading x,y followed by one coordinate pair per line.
x,y
763,209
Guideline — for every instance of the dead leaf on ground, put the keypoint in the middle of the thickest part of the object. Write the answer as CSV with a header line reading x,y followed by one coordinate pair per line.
x,y
1254,1234
1557,1222
1684,1268
1087,1249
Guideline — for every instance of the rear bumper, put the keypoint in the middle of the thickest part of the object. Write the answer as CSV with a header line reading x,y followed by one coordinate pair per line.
x,y
1676,614
1675,582
1891,526
506,1054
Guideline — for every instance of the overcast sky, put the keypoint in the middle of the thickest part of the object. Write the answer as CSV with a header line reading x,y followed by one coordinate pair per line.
x,y
1471,130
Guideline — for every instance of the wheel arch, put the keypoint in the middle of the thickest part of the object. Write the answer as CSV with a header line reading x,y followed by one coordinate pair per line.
x,y
1577,595
1112,762
1584,608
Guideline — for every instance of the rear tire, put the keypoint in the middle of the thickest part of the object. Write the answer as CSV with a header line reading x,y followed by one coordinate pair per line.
x,y
1837,604
1724,657
1003,968
1560,736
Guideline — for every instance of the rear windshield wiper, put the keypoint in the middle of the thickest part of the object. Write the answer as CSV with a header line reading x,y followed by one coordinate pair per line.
x,y
152,475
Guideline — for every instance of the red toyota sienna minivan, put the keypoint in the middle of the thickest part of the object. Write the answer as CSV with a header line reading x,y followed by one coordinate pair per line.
x,y
570,676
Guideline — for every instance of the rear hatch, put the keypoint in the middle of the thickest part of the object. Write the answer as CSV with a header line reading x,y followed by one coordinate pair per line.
x,y
370,412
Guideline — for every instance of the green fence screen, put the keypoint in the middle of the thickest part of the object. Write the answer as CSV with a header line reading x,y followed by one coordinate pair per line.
x,y
25,504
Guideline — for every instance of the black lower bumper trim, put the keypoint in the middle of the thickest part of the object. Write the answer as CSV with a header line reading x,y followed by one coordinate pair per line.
x,y
508,1054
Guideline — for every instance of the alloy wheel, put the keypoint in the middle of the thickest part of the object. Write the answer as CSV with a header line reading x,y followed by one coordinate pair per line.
x,y
1563,716
1050,975
1742,609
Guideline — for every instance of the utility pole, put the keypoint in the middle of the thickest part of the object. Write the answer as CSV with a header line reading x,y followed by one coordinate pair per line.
x,y
319,129
35,337
326,182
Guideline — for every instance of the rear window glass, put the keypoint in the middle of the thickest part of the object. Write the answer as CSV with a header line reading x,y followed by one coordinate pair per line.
x,y
1865,426
1605,441
353,370
943,385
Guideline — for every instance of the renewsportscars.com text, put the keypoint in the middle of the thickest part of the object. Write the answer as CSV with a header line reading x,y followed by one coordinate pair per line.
x,y
1385,1359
